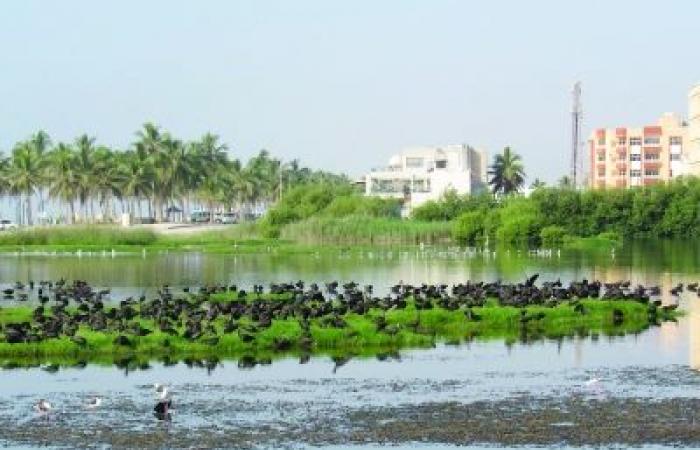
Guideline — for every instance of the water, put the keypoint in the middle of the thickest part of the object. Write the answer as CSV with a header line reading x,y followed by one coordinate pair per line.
x,y
483,394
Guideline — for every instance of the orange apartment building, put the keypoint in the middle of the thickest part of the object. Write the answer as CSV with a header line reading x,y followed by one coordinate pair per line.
x,y
628,157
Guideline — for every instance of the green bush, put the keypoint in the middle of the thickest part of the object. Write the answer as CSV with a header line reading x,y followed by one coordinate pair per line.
x,y
469,227
519,221
348,205
452,205
552,235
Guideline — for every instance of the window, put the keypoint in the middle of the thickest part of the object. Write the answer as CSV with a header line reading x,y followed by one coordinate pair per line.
x,y
601,140
421,185
653,156
651,172
414,163
601,156
675,156
601,172
675,140
441,164
635,141
652,140
621,173
635,157
621,140
635,173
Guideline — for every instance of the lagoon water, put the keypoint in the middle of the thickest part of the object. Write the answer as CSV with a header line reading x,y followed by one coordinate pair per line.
x,y
479,394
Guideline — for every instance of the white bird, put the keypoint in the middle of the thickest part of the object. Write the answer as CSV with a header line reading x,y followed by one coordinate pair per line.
x,y
164,404
94,403
592,382
43,406
161,390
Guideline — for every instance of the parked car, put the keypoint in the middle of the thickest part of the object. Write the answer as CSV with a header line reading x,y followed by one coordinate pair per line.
x,y
200,217
226,218
7,225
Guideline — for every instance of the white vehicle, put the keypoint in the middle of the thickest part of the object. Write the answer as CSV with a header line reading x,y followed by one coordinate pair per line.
x,y
226,218
7,225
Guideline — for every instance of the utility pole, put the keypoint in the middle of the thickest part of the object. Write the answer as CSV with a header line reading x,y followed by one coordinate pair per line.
x,y
576,114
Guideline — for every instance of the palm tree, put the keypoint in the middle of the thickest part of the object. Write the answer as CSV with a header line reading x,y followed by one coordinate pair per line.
x,y
566,182
40,142
62,178
108,178
137,178
85,172
507,173
25,174
537,184
151,142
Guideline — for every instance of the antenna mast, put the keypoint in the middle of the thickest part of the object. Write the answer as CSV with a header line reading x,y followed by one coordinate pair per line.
x,y
575,133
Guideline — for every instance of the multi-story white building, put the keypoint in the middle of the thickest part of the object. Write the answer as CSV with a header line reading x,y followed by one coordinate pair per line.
x,y
419,174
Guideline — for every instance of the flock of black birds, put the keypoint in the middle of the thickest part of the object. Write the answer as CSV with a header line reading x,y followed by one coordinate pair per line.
x,y
63,307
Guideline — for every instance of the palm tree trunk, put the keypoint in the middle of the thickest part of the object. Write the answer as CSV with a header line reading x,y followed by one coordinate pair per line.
x,y
72,211
29,209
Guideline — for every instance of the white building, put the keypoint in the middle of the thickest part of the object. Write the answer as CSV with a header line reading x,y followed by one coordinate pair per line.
x,y
419,174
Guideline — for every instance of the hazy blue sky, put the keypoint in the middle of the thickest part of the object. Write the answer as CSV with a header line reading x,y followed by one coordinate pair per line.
x,y
343,85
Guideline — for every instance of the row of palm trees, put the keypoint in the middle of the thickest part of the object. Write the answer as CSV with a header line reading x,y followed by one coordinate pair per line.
x,y
157,174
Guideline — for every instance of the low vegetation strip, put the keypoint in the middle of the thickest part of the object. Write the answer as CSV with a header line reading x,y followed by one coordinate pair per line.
x,y
228,322
362,230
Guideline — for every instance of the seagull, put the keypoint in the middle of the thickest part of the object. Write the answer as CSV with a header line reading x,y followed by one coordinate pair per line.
x,y
94,403
42,406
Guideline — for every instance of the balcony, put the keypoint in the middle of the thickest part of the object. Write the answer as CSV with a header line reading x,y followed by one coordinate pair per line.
x,y
650,181
621,183
652,164
621,165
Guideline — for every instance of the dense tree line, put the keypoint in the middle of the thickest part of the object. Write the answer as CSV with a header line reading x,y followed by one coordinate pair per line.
x,y
662,210
90,182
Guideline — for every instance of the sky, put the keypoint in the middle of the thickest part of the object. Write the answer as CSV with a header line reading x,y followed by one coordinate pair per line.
x,y
343,85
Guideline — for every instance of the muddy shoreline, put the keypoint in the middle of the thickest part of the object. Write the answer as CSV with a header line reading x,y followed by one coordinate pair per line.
x,y
572,420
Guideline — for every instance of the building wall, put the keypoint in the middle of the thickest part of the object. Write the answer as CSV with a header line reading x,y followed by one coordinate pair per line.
x,y
609,158
627,157
693,156
457,167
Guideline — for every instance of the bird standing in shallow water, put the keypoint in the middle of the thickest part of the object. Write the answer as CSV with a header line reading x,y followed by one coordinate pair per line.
x,y
94,403
164,404
43,406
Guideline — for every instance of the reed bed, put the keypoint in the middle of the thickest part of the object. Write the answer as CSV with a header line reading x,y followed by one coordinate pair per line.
x,y
104,236
361,230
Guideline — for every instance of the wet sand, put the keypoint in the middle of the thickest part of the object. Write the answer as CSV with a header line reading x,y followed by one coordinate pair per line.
x,y
569,421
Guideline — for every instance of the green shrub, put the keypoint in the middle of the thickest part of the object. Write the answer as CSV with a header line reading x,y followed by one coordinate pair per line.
x,y
348,205
469,227
552,235
452,205
519,221
610,236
